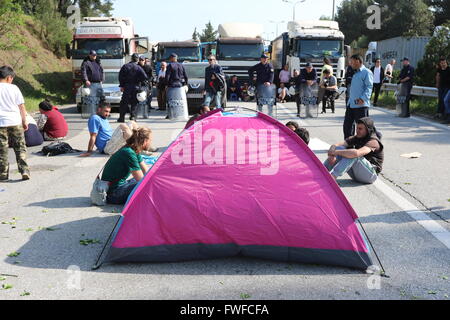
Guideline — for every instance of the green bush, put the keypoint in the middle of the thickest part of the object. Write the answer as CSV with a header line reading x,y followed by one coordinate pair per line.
x,y
439,46
11,17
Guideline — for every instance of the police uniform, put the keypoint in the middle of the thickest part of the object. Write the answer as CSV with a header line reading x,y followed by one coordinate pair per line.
x,y
92,71
264,73
407,72
176,75
130,77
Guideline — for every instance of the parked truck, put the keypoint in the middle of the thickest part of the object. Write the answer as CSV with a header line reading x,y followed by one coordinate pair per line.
x,y
239,47
396,48
310,41
112,38
187,51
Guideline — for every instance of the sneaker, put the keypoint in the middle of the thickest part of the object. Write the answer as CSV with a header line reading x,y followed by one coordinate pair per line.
x,y
4,179
25,176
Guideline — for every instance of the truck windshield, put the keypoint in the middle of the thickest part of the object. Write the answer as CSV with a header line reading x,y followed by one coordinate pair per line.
x,y
105,48
111,78
184,54
319,48
195,71
239,51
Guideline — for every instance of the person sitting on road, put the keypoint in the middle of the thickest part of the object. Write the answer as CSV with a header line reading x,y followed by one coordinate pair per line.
x,y
100,130
125,163
360,156
33,136
301,132
51,122
234,89
283,93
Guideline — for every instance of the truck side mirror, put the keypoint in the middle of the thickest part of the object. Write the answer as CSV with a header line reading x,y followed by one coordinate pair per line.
x,y
127,47
68,51
348,51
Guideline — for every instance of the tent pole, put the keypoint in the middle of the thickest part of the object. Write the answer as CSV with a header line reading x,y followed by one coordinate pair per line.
x,y
383,274
97,265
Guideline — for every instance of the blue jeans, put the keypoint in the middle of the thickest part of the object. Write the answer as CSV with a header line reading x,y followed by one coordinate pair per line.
x,y
210,96
120,195
447,102
442,93
359,169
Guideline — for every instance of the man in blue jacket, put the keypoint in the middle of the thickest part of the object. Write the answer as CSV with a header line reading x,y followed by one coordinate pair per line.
x,y
359,99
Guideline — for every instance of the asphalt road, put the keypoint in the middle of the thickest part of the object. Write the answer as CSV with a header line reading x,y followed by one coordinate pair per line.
x,y
406,215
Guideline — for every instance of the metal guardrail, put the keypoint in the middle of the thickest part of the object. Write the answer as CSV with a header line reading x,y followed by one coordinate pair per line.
x,y
416,90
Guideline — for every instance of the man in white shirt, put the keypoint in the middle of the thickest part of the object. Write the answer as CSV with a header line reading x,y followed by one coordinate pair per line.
x,y
378,77
390,70
13,123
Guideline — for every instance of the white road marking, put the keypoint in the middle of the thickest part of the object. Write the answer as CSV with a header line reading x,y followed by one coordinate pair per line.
x,y
439,232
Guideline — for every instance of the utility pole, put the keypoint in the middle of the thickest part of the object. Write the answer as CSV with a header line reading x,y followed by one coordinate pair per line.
x,y
294,4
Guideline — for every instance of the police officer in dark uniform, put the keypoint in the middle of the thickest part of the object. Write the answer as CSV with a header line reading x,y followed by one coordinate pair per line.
x,y
176,76
130,77
93,76
264,76
406,79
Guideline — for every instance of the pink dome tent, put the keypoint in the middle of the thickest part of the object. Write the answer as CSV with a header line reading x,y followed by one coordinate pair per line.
x,y
235,184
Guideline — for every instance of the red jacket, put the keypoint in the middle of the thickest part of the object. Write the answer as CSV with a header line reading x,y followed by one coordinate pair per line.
x,y
56,125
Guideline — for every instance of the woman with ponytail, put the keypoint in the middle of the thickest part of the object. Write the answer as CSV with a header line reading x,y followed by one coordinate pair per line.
x,y
51,122
125,163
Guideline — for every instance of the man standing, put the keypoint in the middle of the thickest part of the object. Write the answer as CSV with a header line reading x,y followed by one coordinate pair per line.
x,y
93,76
176,78
443,85
213,79
406,80
13,123
378,76
389,71
304,84
161,86
349,72
329,85
147,84
263,79
359,99
130,77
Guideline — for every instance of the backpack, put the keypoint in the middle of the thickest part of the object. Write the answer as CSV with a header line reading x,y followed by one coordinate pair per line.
x,y
57,148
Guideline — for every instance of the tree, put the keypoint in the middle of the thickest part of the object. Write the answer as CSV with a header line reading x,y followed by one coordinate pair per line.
x,y
53,27
441,9
439,46
326,18
195,35
208,34
398,18
11,17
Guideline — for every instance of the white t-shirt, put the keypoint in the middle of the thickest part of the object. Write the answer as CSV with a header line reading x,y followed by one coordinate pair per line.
x,y
389,69
10,99
377,75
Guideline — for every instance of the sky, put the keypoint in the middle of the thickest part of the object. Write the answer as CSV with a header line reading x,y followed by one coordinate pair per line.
x,y
176,20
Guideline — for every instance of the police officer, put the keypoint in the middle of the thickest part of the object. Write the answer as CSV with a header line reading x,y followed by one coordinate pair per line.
x,y
93,76
130,77
176,76
264,77
406,79
144,63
